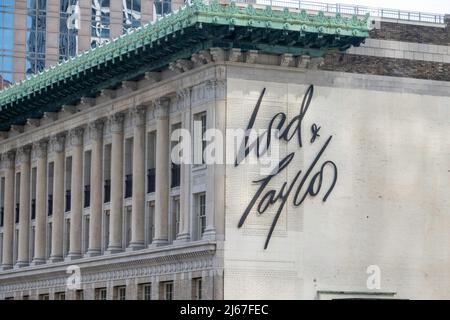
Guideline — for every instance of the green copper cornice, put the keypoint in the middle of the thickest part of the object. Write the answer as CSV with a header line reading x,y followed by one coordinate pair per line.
x,y
194,27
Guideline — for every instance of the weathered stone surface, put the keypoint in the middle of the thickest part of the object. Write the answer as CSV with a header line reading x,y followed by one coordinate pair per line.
x,y
337,61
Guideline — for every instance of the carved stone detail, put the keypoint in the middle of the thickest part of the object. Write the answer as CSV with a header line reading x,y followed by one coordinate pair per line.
x,y
286,59
96,129
235,54
8,159
76,136
23,154
161,107
40,148
138,115
116,120
251,56
58,142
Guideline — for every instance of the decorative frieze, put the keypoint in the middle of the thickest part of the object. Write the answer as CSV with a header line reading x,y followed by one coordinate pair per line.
x,y
132,85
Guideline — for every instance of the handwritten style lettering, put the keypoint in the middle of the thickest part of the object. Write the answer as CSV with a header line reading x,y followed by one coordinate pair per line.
x,y
306,183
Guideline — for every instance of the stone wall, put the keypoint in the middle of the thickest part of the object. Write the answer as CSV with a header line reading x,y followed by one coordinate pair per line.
x,y
412,33
384,66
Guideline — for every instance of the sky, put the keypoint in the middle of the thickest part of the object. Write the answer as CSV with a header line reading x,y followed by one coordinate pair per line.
x,y
431,6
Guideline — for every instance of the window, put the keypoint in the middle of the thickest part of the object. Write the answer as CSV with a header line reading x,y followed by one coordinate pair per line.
x,y
67,237
120,293
86,233
167,290
107,173
106,230
100,22
151,161
69,24
100,294
36,36
131,14
6,42
60,296
127,226
197,289
79,295
145,291
199,138
49,239
161,7
150,222
175,217
44,296
128,168
201,214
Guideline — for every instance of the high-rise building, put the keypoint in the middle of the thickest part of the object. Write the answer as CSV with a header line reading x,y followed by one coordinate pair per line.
x,y
35,34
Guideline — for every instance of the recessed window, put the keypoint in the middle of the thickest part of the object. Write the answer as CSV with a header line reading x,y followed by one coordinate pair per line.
x,y
145,291
79,295
120,293
100,294
44,296
60,296
167,290
199,138
201,214
197,288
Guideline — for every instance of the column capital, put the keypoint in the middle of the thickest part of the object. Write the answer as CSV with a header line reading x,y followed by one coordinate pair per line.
x,y
58,142
161,106
40,148
138,115
76,136
116,121
23,154
8,159
96,129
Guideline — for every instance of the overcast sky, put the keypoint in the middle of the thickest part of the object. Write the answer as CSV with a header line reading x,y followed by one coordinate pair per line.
x,y
432,6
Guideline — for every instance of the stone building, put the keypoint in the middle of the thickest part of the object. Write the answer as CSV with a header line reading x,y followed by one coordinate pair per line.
x,y
93,207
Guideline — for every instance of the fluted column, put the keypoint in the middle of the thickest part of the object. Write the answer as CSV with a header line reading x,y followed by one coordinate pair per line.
x,y
185,170
95,223
162,173
41,202
76,208
8,218
116,213
23,159
57,144
138,204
